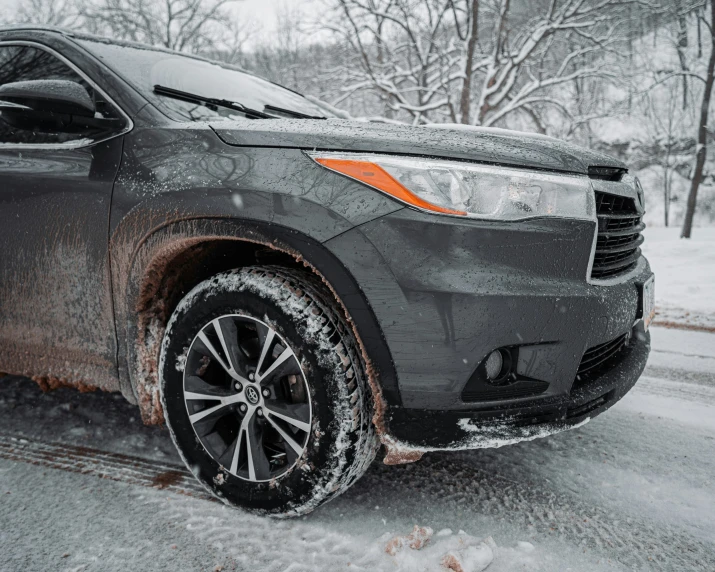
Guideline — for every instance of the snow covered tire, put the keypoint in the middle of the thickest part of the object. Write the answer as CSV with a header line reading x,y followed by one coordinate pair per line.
x,y
339,441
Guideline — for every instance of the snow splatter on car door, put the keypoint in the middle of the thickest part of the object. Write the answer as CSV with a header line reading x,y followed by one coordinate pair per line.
x,y
56,318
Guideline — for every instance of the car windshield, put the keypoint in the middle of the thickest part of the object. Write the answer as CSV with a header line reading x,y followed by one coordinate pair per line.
x,y
146,68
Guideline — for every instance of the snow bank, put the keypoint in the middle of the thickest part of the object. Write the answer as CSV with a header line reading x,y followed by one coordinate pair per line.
x,y
684,274
301,546
459,553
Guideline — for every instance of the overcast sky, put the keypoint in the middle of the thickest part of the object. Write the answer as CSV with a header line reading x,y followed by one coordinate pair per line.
x,y
262,11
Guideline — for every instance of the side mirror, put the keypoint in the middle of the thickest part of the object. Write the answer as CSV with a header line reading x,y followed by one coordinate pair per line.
x,y
48,105
49,96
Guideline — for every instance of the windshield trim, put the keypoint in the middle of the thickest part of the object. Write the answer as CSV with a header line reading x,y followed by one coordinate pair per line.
x,y
84,41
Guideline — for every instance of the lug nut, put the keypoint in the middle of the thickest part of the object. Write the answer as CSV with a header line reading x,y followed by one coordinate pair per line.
x,y
259,412
243,407
266,392
237,386
251,376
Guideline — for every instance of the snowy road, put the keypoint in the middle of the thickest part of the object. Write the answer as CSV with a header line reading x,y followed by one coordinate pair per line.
x,y
84,486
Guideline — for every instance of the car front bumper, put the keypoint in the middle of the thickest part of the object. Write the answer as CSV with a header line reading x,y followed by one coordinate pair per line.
x,y
447,291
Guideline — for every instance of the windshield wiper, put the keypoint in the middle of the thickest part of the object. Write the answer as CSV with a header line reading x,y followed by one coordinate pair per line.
x,y
296,114
211,101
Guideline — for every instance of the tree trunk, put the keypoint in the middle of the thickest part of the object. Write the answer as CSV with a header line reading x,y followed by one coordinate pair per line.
x,y
682,47
666,195
466,99
702,134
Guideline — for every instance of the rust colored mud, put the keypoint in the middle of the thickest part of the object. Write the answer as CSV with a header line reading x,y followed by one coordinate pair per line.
x,y
153,312
415,540
684,326
102,464
450,562
396,455
51,328
143,271
49,383
167,479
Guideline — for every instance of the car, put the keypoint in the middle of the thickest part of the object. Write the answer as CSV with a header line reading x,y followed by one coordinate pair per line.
x,y
292,292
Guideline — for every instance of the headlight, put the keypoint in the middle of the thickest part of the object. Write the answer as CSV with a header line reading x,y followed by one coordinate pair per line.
x,y
469,190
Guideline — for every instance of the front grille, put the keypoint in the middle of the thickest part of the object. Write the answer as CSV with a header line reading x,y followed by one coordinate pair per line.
x,y
619,235
600,354
606,173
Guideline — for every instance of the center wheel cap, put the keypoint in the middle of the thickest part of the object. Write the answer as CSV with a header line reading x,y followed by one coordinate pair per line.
x,y
252,395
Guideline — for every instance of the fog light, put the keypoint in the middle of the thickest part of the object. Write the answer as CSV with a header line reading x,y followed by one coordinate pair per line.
x,y
494,365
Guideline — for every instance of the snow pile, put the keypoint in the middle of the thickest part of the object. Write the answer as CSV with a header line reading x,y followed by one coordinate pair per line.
x,y
459,553
414,540
684,275
255,543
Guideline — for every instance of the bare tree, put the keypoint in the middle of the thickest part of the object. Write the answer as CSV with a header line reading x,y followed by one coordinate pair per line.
x,y
185,25
474,61
665,119
470,39
701,153
60,13
521,52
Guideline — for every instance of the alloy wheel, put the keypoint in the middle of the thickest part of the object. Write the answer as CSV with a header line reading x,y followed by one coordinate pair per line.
x,y
247,397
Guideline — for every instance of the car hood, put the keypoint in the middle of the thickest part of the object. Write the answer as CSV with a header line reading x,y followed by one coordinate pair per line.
x,y
487,145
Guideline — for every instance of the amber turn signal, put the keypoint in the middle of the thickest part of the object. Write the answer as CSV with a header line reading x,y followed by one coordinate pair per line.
x,y
375,176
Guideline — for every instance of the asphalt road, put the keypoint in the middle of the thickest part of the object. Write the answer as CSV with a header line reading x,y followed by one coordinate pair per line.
x,y
84,486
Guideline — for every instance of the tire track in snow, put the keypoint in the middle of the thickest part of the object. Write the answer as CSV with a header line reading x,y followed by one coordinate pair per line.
x,y
112,466
630,541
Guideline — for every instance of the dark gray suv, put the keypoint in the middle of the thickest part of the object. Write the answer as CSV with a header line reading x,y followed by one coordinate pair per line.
x,y
288,290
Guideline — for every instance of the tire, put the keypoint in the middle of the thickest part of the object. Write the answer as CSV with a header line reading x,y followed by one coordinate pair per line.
x,y
299,394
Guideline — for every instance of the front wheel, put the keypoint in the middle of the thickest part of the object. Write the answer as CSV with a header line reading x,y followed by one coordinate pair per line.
x,y
264,391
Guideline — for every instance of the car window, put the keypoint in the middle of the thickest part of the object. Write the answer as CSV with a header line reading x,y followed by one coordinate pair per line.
x,y
145,67
24,63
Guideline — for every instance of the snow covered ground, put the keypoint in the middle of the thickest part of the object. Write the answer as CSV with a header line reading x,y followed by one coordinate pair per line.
x,y
633,489
685,274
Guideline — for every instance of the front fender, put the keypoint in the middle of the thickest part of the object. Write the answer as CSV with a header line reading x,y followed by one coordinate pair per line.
x,y
143,282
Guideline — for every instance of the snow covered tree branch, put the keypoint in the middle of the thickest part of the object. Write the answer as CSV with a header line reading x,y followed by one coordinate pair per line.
x,y
473,61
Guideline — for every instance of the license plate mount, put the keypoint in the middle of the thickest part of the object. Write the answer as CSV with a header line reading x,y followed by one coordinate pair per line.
x,y
648,301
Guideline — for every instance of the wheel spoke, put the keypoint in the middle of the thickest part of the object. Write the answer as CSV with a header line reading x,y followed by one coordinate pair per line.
x,y
281,360
297,414
228,368
267,343
209,346
236,451
194,384
287,438
224,452
193,396
228,336
196,417
225,401
225,421
258,466
292,456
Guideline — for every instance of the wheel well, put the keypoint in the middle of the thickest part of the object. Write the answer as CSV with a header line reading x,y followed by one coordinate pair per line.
x,y
176,263
171,276
171,273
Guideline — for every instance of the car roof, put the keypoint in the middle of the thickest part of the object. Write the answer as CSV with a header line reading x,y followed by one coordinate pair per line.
x,y
103,39
34,27
138,45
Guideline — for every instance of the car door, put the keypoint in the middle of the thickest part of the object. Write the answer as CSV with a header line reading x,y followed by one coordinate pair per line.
x,y
56,311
